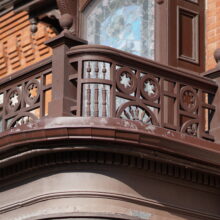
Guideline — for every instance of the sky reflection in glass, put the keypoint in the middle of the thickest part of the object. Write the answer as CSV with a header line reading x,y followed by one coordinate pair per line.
x,y
123,24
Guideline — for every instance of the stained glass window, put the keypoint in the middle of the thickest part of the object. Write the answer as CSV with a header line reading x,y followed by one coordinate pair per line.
x,y
123,24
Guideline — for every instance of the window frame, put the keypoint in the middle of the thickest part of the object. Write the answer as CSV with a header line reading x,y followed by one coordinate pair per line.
x,y
167,32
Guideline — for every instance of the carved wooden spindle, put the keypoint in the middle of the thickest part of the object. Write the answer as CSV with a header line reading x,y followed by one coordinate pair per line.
x,y
96,110
127,115
96,70
137,110
131,112
104,113
88,91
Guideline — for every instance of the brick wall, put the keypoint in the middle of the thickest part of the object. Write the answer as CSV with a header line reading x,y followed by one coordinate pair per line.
x,y
18,46
212,31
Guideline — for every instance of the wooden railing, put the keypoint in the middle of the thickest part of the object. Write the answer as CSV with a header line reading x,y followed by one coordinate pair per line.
x,y
99,81
112,83
24,96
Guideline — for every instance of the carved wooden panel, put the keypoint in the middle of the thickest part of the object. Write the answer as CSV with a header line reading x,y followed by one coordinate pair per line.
x,y
25,101
186,34
18,46
111,87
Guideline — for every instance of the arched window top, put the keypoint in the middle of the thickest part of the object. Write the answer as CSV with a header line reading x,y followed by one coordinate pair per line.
x,y
126,25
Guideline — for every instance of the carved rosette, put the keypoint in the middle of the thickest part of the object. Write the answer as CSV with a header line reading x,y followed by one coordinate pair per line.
x,y
13,100
188,99
150,88
32,92
126,81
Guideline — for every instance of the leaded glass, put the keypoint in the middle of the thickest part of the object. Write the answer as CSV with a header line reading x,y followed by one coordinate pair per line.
x,y
123,24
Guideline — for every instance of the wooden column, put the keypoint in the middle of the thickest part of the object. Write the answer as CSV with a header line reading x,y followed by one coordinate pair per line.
x,y
215,74
63,91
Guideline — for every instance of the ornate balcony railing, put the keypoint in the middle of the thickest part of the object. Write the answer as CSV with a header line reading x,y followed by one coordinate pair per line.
x,y
24,96
99,81
112,83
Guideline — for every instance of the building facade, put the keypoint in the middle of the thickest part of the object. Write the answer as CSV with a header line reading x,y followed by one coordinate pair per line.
x,y
109,109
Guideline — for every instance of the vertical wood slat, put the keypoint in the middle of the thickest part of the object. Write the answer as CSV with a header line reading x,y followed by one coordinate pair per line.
x,y
113,90
79,104
96,102
201,124
4,112
104,113
161,111
177,107
88,105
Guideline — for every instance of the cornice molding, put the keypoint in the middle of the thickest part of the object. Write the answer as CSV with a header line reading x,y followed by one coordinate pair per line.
x,y
51,162
141,138
103,195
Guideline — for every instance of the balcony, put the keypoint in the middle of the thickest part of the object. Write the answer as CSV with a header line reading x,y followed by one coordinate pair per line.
x,y
99,81
88,99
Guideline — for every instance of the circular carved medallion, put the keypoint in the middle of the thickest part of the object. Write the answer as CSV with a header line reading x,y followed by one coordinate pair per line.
x,y
188,99
126,80
32,92
13,99
150,88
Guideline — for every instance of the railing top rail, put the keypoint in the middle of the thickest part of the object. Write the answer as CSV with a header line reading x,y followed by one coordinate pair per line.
x,y
127,58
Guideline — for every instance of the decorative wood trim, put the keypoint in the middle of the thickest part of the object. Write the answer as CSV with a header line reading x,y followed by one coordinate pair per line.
x,y
193,41
192,14
43,147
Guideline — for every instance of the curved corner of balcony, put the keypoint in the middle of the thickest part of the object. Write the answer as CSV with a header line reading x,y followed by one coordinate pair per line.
x,y
96,98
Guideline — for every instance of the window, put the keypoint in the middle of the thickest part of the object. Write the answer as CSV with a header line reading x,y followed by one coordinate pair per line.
x,y
168,31
127,25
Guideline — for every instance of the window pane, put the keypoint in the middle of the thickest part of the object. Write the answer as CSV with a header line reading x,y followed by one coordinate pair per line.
x,y
126,25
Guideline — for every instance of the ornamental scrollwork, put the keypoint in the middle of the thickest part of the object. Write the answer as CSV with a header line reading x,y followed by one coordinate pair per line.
x,y
137,112
191,127
22,119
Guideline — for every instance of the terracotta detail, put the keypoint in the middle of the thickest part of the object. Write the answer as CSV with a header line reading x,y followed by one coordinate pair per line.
x,y
20,48
212,31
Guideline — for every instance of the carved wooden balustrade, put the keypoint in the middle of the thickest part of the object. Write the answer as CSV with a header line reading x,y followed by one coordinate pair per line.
x,y
99,81
24,96
112,83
